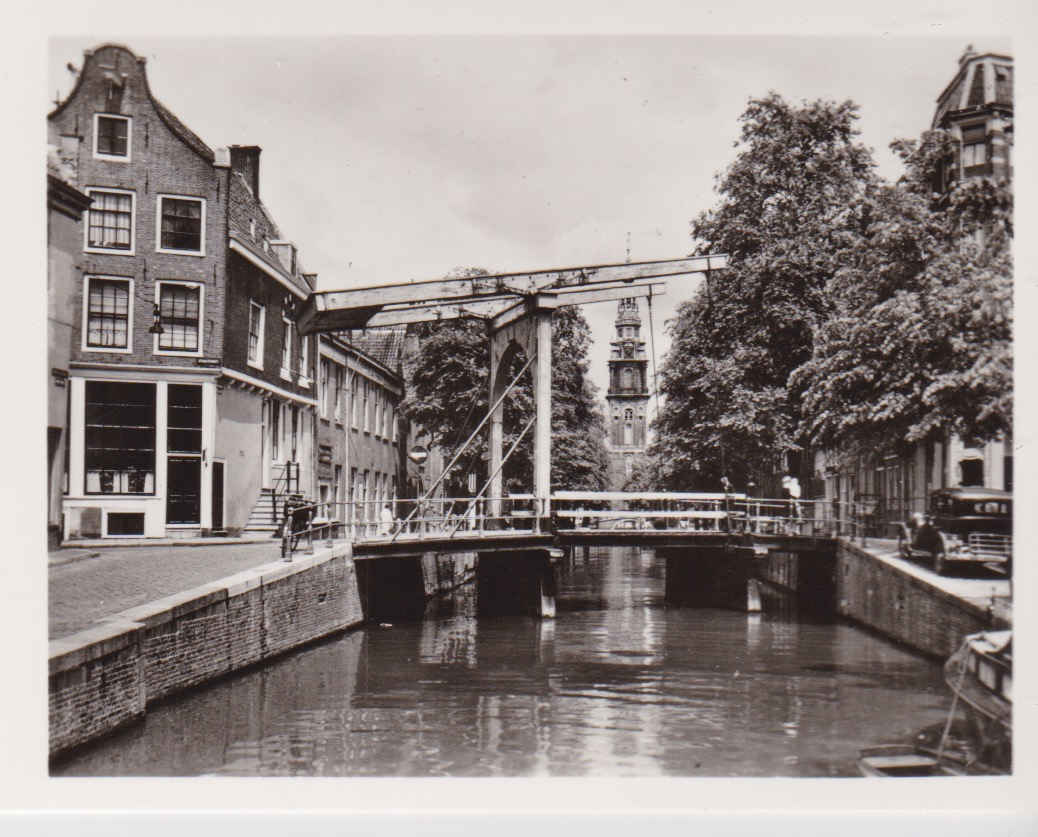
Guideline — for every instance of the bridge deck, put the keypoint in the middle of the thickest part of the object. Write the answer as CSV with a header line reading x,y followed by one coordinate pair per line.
x,y
513,541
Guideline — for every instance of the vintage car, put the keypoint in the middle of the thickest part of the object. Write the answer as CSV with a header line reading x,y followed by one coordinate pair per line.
x,y
965,525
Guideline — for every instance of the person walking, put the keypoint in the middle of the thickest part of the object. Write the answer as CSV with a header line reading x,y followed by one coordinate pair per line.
x,y
385,521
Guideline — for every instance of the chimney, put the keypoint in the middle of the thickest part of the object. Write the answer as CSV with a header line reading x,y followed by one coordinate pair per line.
x,y
245,160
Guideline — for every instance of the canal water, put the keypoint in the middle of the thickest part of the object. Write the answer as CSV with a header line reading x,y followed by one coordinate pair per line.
x,y
617,685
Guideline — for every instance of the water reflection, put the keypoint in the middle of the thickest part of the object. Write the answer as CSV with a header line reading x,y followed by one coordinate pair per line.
x,y
618,684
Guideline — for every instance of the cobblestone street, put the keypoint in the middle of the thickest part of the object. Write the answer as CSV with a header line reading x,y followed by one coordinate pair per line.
x,y
85,590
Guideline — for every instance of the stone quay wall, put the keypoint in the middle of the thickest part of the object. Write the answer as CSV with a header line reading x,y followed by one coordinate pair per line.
x,y
105,677
884,597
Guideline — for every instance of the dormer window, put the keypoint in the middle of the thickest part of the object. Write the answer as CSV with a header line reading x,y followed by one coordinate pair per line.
x,y
112,137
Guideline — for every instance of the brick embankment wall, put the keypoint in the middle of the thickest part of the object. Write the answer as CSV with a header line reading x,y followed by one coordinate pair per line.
x,y
104,677
906,608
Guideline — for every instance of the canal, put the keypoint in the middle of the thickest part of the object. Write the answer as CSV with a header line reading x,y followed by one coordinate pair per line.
x,y
617,685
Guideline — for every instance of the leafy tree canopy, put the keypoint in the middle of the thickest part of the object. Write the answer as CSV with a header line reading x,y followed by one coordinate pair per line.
x,y
447,396
789,208
920,339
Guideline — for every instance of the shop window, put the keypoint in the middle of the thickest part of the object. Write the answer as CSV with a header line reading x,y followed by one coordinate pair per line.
x,y
184,418
119,438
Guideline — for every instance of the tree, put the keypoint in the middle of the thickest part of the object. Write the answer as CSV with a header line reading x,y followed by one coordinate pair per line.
x,y
447,396
787,214
920,339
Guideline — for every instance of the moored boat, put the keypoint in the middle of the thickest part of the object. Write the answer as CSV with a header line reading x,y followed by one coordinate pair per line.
x,y
899,760
980,675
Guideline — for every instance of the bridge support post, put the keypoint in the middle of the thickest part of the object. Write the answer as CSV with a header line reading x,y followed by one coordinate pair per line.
x,y
516,583
530,333
542,396
710,577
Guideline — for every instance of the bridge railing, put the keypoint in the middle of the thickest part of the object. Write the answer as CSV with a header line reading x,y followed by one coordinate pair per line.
x,y
461,517
404,519
733,513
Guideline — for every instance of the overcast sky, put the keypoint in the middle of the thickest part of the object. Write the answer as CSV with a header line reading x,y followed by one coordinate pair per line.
x,y
394,158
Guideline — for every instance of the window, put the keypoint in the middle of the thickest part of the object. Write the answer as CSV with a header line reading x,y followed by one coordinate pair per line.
x,y
111,137
628,378
286,351
275,430
181,223
256,320
124,523
378,412
110,225
322,385
354,399
119,438
304,361
973,154
338,394
108,322
180,307
364,406
974,145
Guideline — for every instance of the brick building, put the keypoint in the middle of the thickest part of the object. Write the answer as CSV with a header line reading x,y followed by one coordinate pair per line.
x,y
627,399
193,402
976,109
360,434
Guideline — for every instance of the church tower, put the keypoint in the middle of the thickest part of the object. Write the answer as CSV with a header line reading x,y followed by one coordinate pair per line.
x,y
628,396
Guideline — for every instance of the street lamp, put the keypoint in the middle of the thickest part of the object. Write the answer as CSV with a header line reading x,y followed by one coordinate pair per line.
x,y
156,321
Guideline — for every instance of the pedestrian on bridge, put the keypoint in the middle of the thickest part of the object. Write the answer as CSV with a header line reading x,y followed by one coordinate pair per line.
x,y
385,521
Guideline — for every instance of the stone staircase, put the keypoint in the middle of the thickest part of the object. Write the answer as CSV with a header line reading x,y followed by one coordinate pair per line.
x,y
265,517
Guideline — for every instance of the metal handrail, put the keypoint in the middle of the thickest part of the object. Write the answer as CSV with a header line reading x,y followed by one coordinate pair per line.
x,y
448,517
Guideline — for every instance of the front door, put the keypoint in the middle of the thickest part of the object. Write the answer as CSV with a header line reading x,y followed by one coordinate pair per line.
x,y
183,492
217,495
